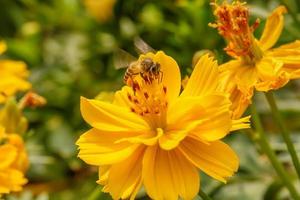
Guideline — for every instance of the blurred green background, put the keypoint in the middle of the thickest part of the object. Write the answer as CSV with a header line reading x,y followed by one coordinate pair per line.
x,y
69,51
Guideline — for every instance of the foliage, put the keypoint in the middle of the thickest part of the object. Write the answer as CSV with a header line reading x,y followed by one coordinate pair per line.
x,y
70,54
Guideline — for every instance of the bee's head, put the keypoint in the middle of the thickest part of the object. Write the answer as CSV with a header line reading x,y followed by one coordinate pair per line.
x,y
147,64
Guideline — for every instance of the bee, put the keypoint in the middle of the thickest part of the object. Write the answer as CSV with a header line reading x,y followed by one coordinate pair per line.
x,y
147,68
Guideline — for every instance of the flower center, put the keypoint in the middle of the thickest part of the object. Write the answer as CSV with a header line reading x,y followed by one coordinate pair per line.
x,y
232,22
148,97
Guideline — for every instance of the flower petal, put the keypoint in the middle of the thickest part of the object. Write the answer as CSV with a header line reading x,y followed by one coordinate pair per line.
x,y
169,175
289,55
268,68
121,97
207,117
246,78
293,45
271,75
11,180
240,100
108,117
171,139
125,177
21,162
8,154
171,74
215,159
235,75
273,28
204,79
147,137
100,148
103,173
241,123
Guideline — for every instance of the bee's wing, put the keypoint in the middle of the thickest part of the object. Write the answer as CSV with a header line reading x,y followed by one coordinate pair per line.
x,y
142,47
122,59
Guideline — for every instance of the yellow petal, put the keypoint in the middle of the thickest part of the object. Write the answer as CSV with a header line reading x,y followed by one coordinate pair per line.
x,y
235,75
231,65
289,55
273,28
17,68
171,139
100,148
11,180
216,159
125,176
204,79
148,138
293,45
246,78
207,117
8,154
10,85
271,75
171,74
241,123
108,117
168,175
103,173
268,68
229,84
21,162
121,97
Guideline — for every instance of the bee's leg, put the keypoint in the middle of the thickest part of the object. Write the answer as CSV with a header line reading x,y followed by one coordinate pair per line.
x,y
145,77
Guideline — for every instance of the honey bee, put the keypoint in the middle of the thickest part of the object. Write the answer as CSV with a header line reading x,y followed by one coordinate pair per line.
x,y
147,68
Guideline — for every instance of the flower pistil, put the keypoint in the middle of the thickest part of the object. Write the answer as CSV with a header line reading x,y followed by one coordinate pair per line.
x,y
232,23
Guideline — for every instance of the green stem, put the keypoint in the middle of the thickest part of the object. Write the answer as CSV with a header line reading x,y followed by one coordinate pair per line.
x,y
266,148
203,195
96,194
284,131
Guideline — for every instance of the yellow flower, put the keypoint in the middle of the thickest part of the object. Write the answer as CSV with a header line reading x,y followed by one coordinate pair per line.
x,y
240,100
101,10
155,137
13,76
256,64
13,162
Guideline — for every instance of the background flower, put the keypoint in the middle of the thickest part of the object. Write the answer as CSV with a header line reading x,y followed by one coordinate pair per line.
x,y
13,76
256,64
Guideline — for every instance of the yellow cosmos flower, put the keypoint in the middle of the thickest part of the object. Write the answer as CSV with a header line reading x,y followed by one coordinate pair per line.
x,y
240,100
101,10
255,64
13,76
155,137
13,162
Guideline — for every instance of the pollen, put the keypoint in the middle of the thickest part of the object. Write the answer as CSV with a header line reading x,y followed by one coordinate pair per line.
x,y
148,98
232,22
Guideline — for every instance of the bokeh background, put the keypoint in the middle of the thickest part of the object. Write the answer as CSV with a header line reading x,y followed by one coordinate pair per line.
x,y
68,46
